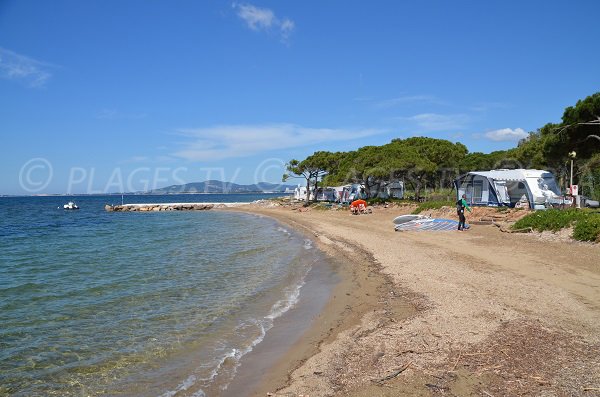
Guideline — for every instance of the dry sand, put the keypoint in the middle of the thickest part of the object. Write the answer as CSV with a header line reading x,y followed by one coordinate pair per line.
x,y
480,313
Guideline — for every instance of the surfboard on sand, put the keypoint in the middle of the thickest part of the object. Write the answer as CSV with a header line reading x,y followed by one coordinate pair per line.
x,y
428,224
407,218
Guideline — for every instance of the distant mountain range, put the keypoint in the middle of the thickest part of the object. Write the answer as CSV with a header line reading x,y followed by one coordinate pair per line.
x,y
222,187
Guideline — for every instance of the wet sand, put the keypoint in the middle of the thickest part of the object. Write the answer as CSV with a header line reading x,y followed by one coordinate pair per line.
x,y
431,313
353,286
321,284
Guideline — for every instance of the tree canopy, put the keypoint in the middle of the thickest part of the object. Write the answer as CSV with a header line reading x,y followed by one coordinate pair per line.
x,y
423,161
312,168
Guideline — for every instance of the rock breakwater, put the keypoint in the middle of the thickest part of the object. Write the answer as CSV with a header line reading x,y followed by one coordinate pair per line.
x,y
159,207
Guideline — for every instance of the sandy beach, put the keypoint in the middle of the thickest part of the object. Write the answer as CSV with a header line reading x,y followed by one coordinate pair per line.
x,y
480,313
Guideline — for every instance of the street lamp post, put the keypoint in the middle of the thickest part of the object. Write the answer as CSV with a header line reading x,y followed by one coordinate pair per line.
x,y
572,155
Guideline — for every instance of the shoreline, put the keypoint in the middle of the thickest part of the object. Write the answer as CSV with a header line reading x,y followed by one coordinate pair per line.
x,y
360,280
288,330
487,309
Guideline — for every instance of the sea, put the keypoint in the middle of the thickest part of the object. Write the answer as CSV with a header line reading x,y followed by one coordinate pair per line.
x,y
166,304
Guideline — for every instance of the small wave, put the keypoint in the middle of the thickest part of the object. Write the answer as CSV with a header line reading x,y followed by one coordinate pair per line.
x,y
233,354
308,244
25,287
233,357
183,386
283,305
284,231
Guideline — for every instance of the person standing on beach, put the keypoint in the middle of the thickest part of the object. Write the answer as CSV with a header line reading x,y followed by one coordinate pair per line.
x,y
460,210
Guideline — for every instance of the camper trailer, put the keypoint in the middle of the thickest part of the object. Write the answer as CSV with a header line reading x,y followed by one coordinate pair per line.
x,y
392,190
356,191
300,193
326,194
342,193
536,189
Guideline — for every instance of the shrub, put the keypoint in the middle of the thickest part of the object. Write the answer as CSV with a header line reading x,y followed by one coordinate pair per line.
x,y
587,229
432,205
321,206
441,195
552,220
379,200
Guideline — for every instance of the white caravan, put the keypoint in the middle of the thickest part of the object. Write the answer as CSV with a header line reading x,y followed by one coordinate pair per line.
x,y
534,188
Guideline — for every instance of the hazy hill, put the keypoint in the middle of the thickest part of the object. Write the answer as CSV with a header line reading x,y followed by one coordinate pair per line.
x,y
213,186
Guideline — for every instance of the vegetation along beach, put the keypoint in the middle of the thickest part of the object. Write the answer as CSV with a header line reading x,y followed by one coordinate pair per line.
x,y
299,199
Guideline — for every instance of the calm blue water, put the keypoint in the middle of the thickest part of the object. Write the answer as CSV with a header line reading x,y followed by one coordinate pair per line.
x,y
140,304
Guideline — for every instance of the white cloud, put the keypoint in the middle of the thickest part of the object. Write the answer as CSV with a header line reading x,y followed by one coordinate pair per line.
x,y
362,99
394,102
488,106
139,159
439,122
264,19
231,141
21,68
113,114
256,18
506,134
107,114
148,159
287,27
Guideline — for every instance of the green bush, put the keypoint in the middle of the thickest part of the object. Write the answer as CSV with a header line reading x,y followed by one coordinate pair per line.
x,y
321,206
376,200
441,195
587,229
552,220
433,205
379,200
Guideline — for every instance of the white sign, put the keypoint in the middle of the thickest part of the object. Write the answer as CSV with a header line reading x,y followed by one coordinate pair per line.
x,y
574,190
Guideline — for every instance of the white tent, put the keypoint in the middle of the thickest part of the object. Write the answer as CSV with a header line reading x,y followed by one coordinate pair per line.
x,y
392,190
508,187
300,193
326,194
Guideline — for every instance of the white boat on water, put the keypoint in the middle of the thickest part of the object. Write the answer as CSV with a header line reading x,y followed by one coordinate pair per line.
x,y
71,206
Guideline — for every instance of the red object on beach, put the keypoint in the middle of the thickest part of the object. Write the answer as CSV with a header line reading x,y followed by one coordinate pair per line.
x,y
357,203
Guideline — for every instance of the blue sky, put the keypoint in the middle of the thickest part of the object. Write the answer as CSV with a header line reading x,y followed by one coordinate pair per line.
x,y
104,96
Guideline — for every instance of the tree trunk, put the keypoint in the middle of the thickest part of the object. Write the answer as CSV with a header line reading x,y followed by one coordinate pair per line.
x,y
377,190
418,189
307,190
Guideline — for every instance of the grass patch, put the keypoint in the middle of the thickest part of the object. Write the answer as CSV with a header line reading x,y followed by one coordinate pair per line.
x,y
321,206
378,200
281,199
586,224
553,220
432,205
588,228
441,195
